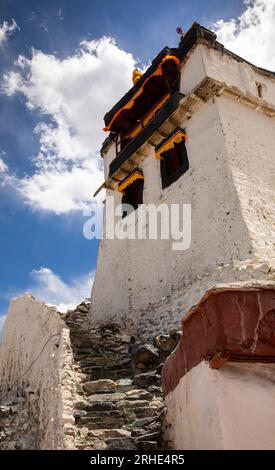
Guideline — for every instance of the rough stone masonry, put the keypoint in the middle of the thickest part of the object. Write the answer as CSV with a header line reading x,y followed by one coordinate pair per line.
x,y
99,390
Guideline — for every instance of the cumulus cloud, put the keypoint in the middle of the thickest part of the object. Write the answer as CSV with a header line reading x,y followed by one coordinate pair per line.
x,y
71,95
252,35
50,288
6,29
3,166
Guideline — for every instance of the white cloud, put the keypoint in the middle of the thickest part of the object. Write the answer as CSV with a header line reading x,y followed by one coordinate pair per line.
x,y
72,96
60,14
3,166
6,29
50,288
252,35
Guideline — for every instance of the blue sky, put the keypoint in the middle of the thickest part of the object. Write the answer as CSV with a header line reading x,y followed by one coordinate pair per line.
x,y
51,107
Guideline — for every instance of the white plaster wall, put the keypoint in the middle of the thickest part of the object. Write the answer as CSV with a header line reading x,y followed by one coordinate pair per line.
x,y
250,143
110,295
229,408
234,73
49,384
230,185
147,280
108,158
203,61
193,71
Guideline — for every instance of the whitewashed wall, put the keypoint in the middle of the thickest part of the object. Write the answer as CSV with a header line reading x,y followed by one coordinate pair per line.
x,y
231,408
230,185
48,386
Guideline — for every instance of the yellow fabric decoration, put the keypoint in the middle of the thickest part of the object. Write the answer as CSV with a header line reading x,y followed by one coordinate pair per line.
x,y
130,103
136,76
178,137
137,175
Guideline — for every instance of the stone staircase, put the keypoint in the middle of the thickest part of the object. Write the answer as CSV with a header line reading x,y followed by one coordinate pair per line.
x,y
119,401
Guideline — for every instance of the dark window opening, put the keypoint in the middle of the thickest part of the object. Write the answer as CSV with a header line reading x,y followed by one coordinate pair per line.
x,y
133,195
259,89
173,164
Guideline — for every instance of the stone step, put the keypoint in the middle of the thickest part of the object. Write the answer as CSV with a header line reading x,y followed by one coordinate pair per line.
x,y
124,385
132,404
95,360
107,433
101,406
120,400
104,362
94,406
141,422
138,394
97,415
94,372
98,372
119,374
105,423
118,443
116,367
103,397
141,412
146,379
101,385
147,445
145,430
84,351
155,390
148,437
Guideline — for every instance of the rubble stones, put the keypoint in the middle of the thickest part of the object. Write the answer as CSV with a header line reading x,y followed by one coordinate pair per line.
x,y
124,385
145,379
121,444
113,397
108,433
120,403
145,354
101,385
137,394
167,343
133,404
4,411
16,425
125,338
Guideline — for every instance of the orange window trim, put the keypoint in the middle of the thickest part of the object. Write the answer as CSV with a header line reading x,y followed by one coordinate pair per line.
x,y
130,104
175,139
137,175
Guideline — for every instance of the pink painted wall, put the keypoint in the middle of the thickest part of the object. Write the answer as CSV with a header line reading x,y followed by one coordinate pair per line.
x,y
229,408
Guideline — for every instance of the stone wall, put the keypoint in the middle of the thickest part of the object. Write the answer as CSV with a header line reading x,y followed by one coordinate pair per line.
x,y
36,369
65,385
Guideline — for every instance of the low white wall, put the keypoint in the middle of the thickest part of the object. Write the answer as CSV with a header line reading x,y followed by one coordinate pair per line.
x,y
49,384
229,408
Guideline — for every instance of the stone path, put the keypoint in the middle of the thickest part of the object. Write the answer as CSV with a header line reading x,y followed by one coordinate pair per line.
x,y
120,403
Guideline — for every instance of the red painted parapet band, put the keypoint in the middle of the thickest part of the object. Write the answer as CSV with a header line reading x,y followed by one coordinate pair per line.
x,y
229,324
